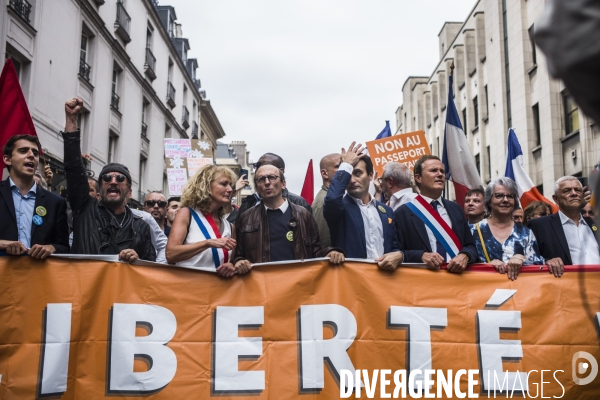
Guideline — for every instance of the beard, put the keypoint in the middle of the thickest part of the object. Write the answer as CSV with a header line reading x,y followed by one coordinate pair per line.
x,y
112,203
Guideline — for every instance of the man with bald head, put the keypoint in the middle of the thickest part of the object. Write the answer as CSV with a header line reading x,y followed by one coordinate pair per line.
x,y
328,166
275,160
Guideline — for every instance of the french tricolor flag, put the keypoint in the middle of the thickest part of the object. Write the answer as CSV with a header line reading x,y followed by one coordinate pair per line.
x,y
456,156
515,171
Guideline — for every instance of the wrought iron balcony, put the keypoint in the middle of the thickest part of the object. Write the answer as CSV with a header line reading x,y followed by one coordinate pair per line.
x,y
22,8
170,95
197,83
185,120
84,70
150,64
114,101
123,22
194,130
144,130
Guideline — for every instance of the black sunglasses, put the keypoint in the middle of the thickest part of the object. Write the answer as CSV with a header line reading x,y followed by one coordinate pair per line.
x,y
152,203
108,178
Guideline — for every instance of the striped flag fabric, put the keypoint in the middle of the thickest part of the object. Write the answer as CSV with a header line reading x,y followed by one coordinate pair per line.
x,y
515,171
386,132
456,154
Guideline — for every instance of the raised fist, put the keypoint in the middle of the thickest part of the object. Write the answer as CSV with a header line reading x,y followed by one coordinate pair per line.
x,y
73,106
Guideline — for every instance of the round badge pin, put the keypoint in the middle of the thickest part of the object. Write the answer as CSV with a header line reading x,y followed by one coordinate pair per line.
x,y
594,228
41,211
381,209
290,236
37,220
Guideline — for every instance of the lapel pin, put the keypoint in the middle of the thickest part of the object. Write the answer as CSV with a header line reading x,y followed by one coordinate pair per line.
x,y
381,209
41,211
37,220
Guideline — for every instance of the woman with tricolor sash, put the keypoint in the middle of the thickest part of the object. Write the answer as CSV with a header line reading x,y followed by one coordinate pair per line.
x,y
201,237
500,241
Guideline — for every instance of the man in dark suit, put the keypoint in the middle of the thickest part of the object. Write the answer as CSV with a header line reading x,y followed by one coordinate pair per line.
x,y
566,238
34,220
416,240
362,226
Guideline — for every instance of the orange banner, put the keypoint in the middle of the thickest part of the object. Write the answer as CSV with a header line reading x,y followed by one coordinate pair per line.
x,y
405,148
92,329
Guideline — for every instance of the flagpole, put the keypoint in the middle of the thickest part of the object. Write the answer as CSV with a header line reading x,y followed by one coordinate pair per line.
x,y
447,184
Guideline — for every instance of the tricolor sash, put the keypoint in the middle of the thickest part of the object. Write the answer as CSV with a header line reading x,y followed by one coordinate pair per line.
x,y
209,229
432,219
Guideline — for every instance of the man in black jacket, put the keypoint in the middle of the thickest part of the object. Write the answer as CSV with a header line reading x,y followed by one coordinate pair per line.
x,y
34,220
251,201
566,238
105,226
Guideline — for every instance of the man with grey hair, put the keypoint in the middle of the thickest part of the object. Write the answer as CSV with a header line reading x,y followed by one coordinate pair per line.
x,y
566,238
395,183
328,166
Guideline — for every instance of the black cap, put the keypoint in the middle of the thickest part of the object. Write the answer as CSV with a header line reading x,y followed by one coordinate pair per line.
x,y
116,167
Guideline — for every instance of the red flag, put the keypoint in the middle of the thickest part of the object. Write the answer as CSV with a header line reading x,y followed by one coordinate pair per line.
x,y
308,189
14,114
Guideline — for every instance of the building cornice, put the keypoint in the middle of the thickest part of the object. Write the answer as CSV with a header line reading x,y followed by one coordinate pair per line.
x,y
212,119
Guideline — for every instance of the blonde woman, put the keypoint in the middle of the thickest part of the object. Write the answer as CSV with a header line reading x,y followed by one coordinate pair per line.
x,y
200,235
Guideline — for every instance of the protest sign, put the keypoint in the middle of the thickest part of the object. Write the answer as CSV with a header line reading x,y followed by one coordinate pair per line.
x,y
96,329
405,148
187,154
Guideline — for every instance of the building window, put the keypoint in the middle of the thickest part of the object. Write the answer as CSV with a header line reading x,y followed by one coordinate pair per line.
x,y
145,106
571,114
112,147
84,67
478,164
506,63
141,181
17,64
536,124
114,101
464,115
489,164
487,102
476,111
532,42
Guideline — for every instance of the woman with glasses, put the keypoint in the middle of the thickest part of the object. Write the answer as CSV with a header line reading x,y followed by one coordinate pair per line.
x,y
535,209
201,237
500,241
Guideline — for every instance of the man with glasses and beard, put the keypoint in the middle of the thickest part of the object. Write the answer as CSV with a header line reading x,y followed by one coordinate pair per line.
x,y
155,204
105,226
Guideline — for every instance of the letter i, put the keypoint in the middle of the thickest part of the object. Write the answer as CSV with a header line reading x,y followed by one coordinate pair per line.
x,y
57,340
357,383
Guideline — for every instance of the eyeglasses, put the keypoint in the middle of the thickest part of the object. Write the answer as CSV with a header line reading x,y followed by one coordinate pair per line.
x,y
152,203
262,179
109,177
501,196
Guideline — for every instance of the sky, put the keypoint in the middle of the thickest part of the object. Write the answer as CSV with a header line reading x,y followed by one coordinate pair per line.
x,y
302,79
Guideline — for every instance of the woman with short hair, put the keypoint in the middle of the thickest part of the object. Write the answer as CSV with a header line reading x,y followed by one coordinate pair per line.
x,y
535,209
500,241
200,236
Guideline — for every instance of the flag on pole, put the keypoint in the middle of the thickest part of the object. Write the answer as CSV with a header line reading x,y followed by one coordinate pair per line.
x,y
308,189
386,132
14,114
456,154
515,171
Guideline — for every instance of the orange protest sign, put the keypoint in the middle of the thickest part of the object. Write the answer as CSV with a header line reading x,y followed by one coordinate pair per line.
x,y
405,148
98,329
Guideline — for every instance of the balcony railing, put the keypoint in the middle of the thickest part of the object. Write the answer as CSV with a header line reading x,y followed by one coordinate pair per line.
x,y
194,130
123,22
150,64
114,101
197,83
185,120
170,95
22,8
84,70
144,129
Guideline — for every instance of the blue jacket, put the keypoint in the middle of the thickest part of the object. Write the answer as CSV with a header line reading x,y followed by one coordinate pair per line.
x,y
345,221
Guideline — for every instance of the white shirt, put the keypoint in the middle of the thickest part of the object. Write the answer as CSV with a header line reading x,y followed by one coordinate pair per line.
x,y
444,214
157,236
402,197
371,221
282,207
582,244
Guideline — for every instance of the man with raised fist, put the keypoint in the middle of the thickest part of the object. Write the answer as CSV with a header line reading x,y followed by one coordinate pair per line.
x,y
104,226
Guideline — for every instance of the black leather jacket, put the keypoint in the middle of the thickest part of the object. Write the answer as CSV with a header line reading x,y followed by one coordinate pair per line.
x,y
95,231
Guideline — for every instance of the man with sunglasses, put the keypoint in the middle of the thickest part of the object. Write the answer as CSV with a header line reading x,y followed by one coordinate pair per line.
x,y
155,204
105,226
277,229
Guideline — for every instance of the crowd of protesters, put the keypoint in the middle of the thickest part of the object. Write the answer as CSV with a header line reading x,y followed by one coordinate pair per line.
x,y
405,220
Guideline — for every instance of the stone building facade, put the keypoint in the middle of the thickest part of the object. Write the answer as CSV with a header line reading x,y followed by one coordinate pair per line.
x,y
501,81
127,60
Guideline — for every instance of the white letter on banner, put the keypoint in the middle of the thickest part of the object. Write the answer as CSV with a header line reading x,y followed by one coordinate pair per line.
x,y
57,339
315,350
493,349
125,346
229,347
419,321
